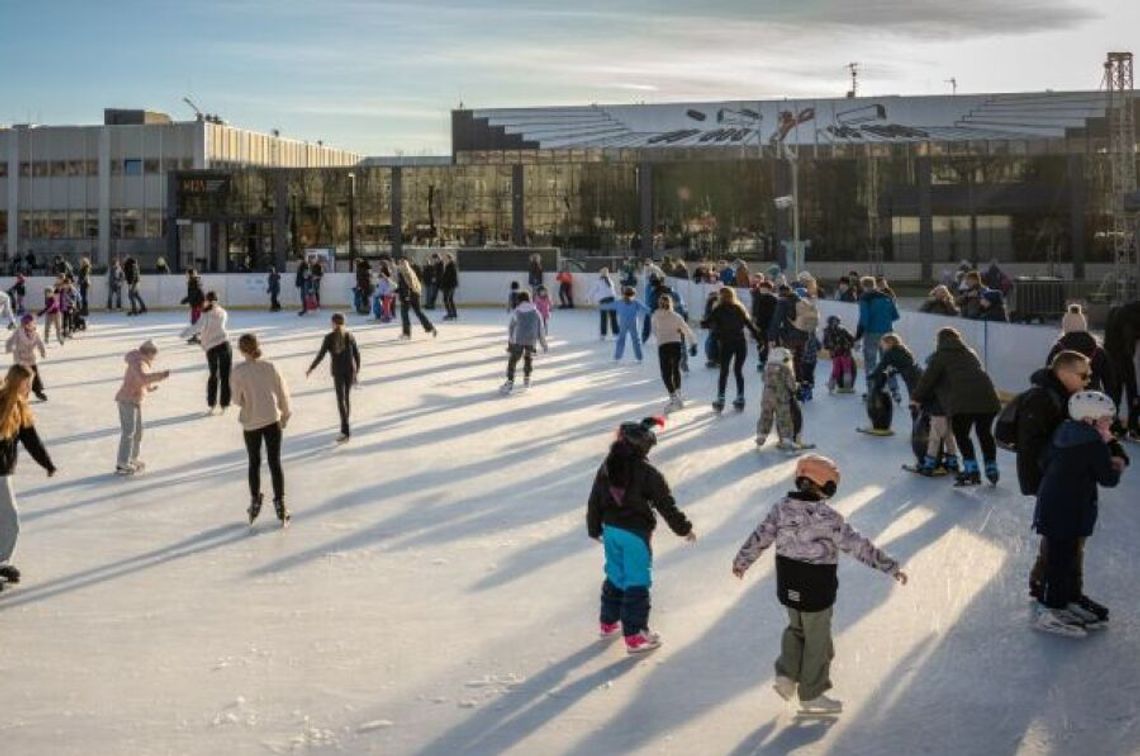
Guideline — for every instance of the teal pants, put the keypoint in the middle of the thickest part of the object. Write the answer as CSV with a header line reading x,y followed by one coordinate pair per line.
x,y
629,574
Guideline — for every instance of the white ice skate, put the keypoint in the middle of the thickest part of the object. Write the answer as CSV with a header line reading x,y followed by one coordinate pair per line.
x,y
1087,619
785,687
1058,622
507,388
821,706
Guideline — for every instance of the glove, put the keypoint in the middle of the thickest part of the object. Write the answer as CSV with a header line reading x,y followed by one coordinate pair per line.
x,y
693,350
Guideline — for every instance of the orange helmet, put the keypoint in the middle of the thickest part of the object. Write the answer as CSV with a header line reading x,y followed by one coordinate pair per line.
x,y
820,470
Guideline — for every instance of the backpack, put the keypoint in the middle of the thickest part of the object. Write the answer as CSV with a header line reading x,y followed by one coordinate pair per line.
x,y
1005,427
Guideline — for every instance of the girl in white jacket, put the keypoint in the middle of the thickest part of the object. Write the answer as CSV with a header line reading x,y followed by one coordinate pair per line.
x,y
25,345
602,292
211,333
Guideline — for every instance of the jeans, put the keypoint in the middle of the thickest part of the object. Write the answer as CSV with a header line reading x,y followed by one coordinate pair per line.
x,y
669,356
870,355
431,291
527,355
412,301
131,431
449,302
732,353
565,296
608,316
83,288
115,294
631,331
219,358
983,428
272,436
137,303
806,652
342,382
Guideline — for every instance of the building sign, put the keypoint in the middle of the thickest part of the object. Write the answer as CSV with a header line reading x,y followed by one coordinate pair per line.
x,y
198,185
202,195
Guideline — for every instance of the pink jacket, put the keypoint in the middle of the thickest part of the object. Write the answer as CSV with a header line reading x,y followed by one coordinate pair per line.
x,y
542,304
137,379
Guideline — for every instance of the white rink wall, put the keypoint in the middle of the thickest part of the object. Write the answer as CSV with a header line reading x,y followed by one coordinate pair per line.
x,y
1010,352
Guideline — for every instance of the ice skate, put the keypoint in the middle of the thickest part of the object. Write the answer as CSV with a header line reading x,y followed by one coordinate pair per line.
x,y
526,383
139,465
609,630
9,574
642,642
1087,619
761,440
1058,622
993,475
254,507
1099,610
506,388
786,446
718,405
283,513
738,403
343,438
821,705
785,687
124,470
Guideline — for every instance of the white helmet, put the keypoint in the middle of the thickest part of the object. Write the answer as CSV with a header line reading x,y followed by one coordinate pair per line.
x,y
779,354
1090,405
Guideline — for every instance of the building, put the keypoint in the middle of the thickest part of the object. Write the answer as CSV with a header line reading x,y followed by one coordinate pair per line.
x,y
104,190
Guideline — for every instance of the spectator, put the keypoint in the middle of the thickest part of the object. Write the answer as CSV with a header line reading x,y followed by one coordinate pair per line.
x,y
877,315
939,302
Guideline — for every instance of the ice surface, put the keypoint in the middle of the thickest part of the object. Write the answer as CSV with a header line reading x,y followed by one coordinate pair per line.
x,y
437,591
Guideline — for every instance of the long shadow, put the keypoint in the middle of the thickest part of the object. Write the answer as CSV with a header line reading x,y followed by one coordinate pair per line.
x,y
526,709
105,432
207,540
799,734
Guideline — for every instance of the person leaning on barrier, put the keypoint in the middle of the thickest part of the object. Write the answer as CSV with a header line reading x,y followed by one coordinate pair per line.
x,y
940,302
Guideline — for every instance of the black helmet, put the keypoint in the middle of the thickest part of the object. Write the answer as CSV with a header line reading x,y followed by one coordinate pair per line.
x,y
642,435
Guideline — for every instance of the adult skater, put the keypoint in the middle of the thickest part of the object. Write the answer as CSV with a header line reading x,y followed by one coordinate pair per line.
x,y
565,281
764,305
409,289
362,292
26,346
115,279
727,321
210,332
1122,343
525,332
84,281
671,332
195,298
809,534
602,292
273,289
448,283
7,311
138,381
626,493
304,284
534,275
344,363
1075,337
133,277
966,393
17,426
433,271
877,315
261,393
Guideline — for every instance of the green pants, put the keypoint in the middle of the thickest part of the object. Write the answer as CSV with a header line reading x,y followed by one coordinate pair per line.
x,y
806,652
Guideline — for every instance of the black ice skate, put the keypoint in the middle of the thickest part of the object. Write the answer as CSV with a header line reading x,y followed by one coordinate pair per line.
x,y
255,507
283,513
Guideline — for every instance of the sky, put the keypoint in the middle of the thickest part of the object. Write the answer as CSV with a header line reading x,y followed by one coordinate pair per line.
x,y
381,77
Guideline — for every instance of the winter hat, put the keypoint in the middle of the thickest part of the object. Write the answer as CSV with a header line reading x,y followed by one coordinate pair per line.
x,y
1074,320
28,318
148,347
780,354
819,470
1090,405
833,320
641,436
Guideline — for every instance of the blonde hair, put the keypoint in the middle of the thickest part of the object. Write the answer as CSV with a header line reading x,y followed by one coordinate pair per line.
x,y
410,277
15,414
891,338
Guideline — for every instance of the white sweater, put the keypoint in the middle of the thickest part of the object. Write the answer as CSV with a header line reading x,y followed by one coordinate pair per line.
x,y
210,328
261,392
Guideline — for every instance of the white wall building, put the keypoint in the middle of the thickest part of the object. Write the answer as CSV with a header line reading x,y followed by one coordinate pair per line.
x,y
101,190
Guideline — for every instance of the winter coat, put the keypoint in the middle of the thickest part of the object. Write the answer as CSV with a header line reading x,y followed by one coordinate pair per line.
x,y
602,288
955,376
838,341
526,329
728,322
131,272
764,304
6,310
9,448
877,314
627,311
137,379
806,316
195,297
633,508
544,306
780,383
24,347
449,279
1042,409
260,391
1103,377
303,274
534,275
898,360
934,306
52,305
274,281
344,362
433,271
670,328
809,535
850,294
115,277
210,328
1076,461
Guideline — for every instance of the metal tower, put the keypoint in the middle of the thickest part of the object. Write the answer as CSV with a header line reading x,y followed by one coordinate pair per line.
x,y
1118,84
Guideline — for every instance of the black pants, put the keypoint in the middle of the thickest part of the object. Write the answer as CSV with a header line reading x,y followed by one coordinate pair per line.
x,y
608,316
83,287
272,436
412,302
317,291
1037,573
527,355
565,297
983,428
430,293
449,302
1062,560
219,358
669,356
343,384
274,302
137,303
37,384
630,607
732,353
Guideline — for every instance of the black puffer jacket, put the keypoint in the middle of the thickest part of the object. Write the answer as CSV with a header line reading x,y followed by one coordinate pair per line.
x,y
31,441
899,360
955,375
1043,407
727,323
633,508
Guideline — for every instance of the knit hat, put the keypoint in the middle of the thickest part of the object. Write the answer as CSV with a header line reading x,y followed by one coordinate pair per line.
x,y
642,436
28,318
1090,405
1074,320
148,347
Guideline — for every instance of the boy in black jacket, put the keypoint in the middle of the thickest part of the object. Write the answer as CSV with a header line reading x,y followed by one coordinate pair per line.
x,y
620,515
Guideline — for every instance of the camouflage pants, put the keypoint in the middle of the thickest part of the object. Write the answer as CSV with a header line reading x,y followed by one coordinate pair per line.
x,y
778,406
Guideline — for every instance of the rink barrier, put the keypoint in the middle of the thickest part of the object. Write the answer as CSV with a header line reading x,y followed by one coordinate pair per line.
x,y
1010,352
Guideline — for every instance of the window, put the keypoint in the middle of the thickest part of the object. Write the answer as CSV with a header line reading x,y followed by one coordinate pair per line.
x,y
91,224
76,228
170,164
92,167
132,167
116,167
154,224
187,164
150,166
40,169
3,168
59,168
25,169
131,224
75,168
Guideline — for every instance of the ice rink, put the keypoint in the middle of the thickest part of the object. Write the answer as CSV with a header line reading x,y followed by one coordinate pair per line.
x,y
437,593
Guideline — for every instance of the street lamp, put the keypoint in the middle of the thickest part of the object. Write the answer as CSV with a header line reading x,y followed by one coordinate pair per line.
x,y
352,221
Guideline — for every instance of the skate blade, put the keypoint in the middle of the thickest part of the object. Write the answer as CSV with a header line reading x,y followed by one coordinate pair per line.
x,y
807,715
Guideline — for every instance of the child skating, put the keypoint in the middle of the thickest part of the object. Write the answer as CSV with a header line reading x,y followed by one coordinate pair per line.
x,y
524,333
839,342
626,492
544,305
779,404
138,381
809,535
26,348
627,309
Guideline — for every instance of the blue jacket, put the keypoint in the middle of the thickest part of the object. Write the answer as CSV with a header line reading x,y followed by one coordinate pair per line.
x,y
1076,461
728,277
627,312
877,314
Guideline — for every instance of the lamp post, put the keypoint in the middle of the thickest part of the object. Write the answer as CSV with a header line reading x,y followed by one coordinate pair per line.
x,y
352,221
